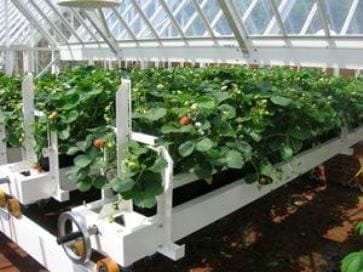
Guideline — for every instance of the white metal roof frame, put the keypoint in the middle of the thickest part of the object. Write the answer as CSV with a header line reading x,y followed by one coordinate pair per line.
x,y
327,33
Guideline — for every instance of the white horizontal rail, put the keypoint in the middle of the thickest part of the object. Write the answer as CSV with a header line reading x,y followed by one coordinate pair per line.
x,y
200,212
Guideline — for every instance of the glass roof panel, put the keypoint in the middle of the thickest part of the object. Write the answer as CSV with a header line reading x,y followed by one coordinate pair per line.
x,y
356,26
316,27
298,15
215,17
260,17
337,11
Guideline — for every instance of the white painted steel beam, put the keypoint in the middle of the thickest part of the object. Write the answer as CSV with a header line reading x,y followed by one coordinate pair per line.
x,y
47,19
323,17
83,23
146,20
271,51
64,21
98,22
280,15
36,24
125,25
204,18
236,24
173,20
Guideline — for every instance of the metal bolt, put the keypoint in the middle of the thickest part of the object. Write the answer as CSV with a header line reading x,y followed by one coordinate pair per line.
x,y
161,226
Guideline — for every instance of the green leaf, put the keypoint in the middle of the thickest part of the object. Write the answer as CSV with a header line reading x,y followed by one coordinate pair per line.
x,y
205,102
122,185
186,148
265,168
353,262
234,159
155,114
159,165
65,133
71,102
85,184
203,170
70,117
73,150
244,147
286,152
228,111
300,134
255,136
82,161
221,96
281,101
250,178
99,182
204,145
359,228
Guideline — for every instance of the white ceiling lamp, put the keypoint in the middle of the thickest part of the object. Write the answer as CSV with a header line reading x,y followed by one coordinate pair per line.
x,y
89,4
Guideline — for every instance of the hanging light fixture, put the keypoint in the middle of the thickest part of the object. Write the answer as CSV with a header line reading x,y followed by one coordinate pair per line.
x,y
89,4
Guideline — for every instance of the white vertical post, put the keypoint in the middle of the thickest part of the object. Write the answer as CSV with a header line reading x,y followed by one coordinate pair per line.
x,y
55,65
123,124
165,210
53,156
28,115
3,155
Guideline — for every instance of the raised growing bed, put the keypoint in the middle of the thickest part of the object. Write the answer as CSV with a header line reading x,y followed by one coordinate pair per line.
x,y
266,125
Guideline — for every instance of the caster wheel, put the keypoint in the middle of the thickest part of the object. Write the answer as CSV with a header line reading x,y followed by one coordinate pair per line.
x,y
14,207
107,265
2,199
79,248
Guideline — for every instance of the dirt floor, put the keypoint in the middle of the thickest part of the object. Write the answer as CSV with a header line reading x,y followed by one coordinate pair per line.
x,y
305,226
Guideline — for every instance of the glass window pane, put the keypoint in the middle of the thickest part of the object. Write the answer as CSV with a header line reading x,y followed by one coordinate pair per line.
x,y
259,18
337,11
296,18
356,26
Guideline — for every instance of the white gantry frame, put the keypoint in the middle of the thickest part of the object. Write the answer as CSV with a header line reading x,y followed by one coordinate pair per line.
x,y
323,33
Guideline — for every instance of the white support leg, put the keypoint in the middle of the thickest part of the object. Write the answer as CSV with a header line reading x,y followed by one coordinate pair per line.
x,y
28,115
164,213
3,150
123,124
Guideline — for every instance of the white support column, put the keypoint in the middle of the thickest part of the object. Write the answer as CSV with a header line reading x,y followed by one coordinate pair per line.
x,y
55,62
123,125
28,115
165,211
9,61
3,154
28,60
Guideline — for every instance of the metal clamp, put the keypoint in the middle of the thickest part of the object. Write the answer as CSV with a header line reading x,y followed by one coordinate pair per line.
x,y
83,232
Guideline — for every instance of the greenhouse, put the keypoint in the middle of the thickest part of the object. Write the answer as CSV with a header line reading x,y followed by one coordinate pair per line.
x,y
191,135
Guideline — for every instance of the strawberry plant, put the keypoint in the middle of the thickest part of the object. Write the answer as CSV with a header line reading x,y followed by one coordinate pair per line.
x,y
11,109
353,262
210,120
